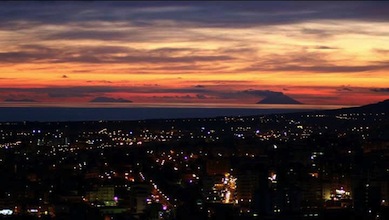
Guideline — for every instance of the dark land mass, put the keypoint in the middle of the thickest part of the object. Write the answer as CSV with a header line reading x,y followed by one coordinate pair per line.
x,y
279,99
108,99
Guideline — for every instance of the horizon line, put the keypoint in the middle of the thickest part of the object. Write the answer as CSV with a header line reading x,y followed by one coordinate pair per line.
x,y
168,105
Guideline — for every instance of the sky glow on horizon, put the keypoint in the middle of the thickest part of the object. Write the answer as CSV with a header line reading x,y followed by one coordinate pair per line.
x,y
319,53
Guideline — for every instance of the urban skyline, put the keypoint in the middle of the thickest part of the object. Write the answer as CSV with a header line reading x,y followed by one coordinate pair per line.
x,y
317,165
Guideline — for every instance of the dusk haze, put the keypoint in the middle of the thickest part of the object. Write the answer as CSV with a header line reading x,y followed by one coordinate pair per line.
x,y
315,53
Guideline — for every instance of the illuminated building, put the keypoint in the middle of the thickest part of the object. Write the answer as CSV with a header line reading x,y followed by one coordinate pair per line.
x,y
226,189
103,196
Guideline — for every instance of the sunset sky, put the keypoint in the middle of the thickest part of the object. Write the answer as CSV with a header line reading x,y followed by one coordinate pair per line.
x,y
331,52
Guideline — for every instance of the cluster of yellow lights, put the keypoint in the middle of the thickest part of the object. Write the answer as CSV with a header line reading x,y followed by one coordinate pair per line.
x,y
227,188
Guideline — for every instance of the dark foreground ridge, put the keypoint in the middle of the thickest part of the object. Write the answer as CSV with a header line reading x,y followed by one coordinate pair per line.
x,y
370,108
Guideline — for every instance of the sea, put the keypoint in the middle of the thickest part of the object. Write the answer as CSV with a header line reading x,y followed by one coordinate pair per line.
x,y
44,112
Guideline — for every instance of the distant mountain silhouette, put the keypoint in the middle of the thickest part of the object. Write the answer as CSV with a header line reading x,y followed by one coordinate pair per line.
x,y
279,99
108,99
19,100
378,107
